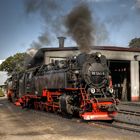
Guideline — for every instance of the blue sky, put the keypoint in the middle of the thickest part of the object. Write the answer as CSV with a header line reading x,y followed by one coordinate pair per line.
x,y
117,22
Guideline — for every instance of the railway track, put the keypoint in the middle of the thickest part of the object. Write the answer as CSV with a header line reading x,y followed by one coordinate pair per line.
x,y
120,125
131,104
129,112
123,124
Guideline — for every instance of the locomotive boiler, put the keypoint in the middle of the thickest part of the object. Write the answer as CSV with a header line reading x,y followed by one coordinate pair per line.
x,y
80,85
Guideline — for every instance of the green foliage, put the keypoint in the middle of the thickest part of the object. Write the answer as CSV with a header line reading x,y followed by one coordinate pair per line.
x,y
134,43
13,63
1,93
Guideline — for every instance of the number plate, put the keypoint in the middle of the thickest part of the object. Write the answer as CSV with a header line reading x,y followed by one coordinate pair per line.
x,y
98,73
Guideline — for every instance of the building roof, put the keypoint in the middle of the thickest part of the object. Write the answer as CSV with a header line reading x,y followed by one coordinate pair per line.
x,y
109,48
39,56
115,48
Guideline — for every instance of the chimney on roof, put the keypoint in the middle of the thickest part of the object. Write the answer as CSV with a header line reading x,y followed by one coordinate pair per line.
x,y
61,41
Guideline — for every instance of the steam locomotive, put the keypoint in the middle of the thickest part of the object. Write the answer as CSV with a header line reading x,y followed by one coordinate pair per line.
x,y
80,85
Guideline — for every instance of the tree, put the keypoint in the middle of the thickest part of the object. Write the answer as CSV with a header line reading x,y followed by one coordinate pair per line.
x,y
134,43
13,63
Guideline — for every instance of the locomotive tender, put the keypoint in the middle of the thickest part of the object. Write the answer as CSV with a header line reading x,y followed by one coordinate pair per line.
x,y
80,85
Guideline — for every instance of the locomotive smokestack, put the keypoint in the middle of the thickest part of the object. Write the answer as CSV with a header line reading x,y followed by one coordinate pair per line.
x,y
61,41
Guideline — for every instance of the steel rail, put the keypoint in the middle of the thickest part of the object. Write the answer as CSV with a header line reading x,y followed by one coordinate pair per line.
x,y
118,126
125,122
130,112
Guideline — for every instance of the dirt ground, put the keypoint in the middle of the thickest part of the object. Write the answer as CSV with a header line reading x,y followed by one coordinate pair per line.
x,y
24,124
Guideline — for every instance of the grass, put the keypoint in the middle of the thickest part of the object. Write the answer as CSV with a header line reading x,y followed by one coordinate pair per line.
x,y
1,93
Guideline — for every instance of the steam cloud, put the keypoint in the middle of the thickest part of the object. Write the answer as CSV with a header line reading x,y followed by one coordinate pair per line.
x,y
29,62
80,27
35,46
29,55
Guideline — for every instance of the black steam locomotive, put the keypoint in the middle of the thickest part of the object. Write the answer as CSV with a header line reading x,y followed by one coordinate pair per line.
x,y
79,85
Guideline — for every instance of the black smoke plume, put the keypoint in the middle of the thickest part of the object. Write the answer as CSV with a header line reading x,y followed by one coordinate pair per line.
x,y
47,9
80,27
79,22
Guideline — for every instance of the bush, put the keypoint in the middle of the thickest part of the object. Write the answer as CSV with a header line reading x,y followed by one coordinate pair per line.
x,y
1,93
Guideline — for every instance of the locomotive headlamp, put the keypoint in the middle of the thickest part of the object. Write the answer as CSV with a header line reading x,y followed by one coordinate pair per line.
x,y
92,90
73,59
111,90
36,92
98,54
76,72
